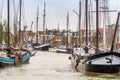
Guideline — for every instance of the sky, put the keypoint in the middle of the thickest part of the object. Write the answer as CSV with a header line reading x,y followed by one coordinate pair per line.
x,y
56,12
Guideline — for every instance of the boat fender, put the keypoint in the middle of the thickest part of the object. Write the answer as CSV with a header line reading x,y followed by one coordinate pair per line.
x,y
28,51
16,60
20,55
89,62
69,57
84,62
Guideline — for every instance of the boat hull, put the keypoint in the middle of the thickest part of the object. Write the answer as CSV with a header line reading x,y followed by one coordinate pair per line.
x,y
102,68
31,50
108,62
18,59
6,62
61,50
44,47
32,53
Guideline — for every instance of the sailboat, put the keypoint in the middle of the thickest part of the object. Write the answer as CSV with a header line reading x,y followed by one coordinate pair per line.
x,y
10,55
29,47
101,62
44,46
63,49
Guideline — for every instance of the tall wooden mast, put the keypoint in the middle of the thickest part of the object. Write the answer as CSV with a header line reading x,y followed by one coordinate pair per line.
x,y
97,25
79,40
86,13
8,24
105,10
79,23
104,29
37,24
58,34
20,22
44,15
67,27
90,19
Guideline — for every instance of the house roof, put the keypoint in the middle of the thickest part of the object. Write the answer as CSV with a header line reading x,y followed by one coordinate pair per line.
x,y
30,33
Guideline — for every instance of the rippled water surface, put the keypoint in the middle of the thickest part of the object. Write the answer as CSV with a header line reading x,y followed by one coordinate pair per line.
x,y
49,66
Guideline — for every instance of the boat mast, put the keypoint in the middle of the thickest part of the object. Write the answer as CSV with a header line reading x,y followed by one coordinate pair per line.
x,y
90,20
79,23
8,24
97,25
20,22
67,27
31,26
104,29
79,40
44,15
105,9
86,13
116,26
58,34
37,25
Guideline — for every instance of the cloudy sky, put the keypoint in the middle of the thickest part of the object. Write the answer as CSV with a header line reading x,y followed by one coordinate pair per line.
x,y
56,11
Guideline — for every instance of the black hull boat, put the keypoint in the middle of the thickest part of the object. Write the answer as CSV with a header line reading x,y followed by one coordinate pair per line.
x,y
100,62
43,47
107,62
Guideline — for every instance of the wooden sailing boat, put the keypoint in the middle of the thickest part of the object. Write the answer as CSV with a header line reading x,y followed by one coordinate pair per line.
x,y
37,19
44,46
63,49
11,56
29,46
101,62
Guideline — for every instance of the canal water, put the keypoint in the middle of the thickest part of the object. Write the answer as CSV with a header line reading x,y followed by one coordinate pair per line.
x,y
49,66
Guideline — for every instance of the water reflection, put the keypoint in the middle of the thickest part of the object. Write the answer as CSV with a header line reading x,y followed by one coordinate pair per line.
x,y
49,66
